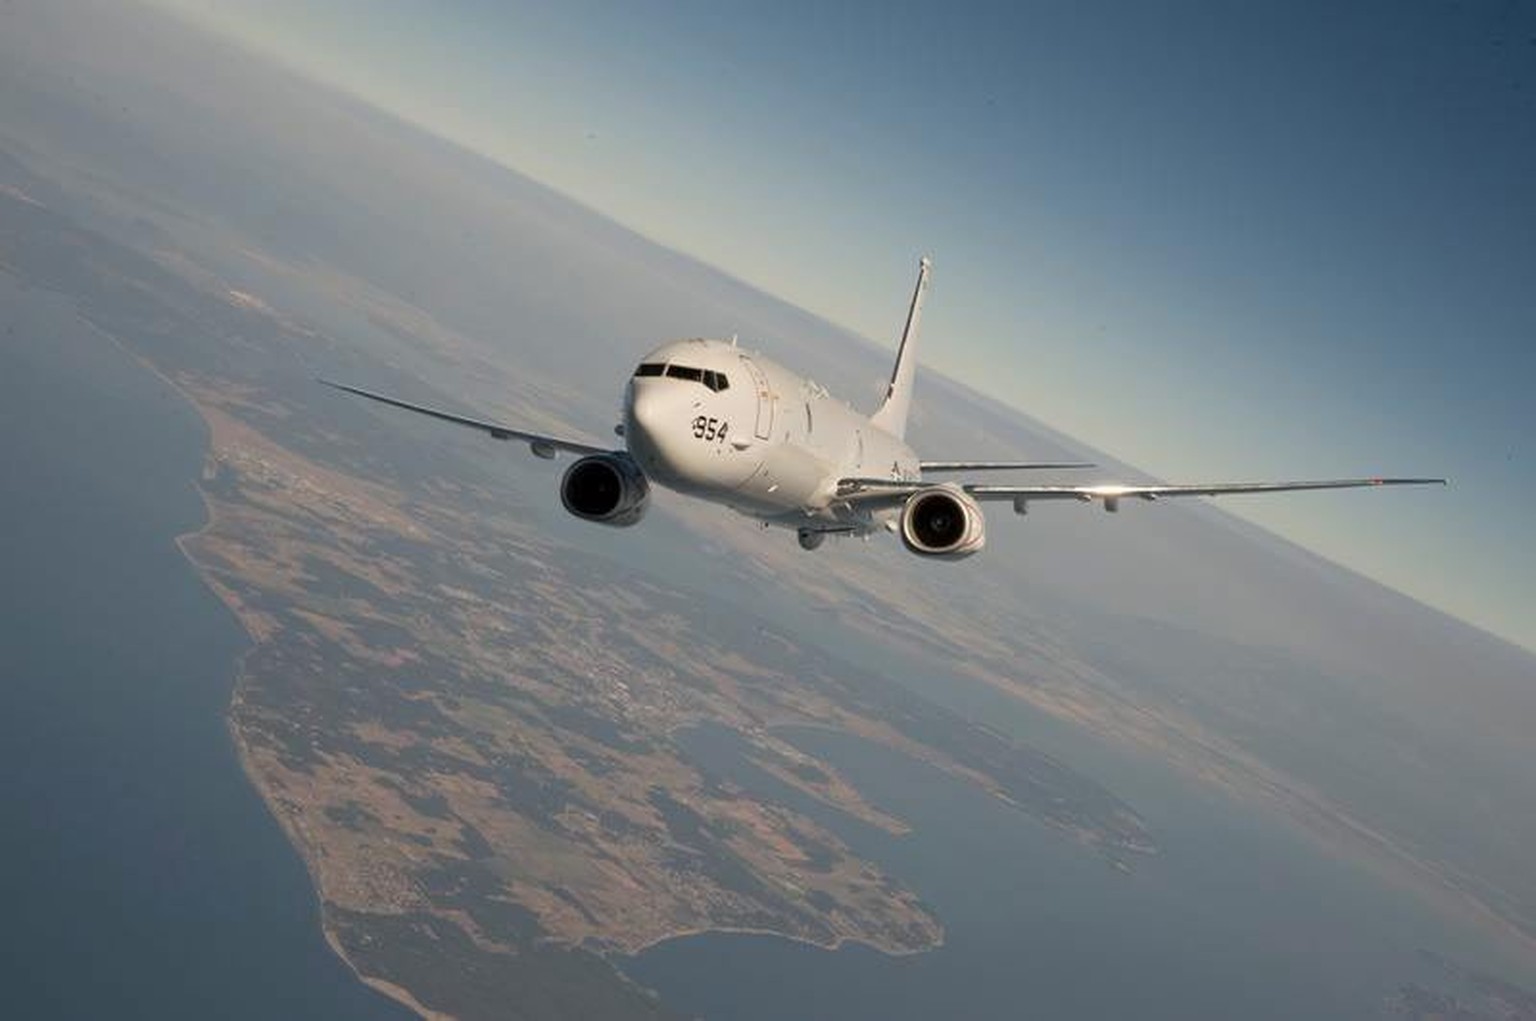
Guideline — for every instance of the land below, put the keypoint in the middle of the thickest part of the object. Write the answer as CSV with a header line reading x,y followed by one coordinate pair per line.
x,y
469,729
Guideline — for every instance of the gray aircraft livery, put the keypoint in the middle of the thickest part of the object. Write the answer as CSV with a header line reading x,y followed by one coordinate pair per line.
x,y
711,420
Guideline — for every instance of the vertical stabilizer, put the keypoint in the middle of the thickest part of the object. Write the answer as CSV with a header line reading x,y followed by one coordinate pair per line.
x,y
892,416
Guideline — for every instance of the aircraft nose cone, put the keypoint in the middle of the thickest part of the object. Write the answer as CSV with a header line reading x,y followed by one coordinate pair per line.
x,y
646,406
657,423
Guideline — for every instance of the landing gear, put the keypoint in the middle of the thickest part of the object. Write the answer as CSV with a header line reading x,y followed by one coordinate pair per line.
x,y
810,538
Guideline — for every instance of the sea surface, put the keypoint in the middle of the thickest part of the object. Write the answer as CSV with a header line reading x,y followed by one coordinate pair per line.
x,y
1238,917
140,874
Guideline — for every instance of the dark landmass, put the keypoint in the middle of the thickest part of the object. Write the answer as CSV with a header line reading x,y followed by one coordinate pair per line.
x,y
440,965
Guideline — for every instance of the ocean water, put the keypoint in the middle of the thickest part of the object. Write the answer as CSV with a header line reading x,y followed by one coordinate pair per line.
x,y
1237,918
140,874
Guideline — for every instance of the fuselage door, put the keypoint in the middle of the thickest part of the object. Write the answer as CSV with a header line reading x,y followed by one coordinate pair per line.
x,y
765,399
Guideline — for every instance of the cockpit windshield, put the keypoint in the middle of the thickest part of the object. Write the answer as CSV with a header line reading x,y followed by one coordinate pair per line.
x,y
716,381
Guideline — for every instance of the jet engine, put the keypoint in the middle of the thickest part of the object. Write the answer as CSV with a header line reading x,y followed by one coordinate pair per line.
x,y
943,521
609,489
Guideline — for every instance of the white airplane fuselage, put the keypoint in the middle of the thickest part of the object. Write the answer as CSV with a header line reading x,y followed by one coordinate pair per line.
x,y
708,419
769,443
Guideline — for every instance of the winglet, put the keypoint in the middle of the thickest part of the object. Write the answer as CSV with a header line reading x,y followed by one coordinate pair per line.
x,y
892,416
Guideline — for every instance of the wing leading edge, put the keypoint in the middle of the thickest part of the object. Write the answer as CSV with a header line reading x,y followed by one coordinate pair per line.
x,y
1110,494
541,445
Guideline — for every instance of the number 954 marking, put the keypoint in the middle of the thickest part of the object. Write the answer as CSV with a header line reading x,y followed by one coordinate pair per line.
x,y
710,430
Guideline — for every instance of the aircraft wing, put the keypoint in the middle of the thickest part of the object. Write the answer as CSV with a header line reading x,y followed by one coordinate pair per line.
x,y
541,445
960,466
1110,494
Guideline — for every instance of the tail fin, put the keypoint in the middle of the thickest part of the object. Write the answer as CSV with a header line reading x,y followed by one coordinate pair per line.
x,y
892,416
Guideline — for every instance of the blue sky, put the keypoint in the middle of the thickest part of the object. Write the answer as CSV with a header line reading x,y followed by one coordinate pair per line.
x,y
1220,241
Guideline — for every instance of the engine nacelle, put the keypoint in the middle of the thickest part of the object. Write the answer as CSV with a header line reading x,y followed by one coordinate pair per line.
x,y
943,521
609,489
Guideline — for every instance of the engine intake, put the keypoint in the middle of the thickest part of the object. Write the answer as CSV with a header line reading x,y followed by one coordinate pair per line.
x,y
943,522
609,489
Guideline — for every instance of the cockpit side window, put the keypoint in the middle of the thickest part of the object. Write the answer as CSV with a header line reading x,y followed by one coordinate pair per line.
x,y
716,381
650,369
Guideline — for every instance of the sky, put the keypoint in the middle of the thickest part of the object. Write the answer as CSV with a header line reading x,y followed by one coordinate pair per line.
x,y
1218,241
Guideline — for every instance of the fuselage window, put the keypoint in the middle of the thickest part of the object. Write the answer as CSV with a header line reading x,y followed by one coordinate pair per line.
x,y
808,425
684,372
650,369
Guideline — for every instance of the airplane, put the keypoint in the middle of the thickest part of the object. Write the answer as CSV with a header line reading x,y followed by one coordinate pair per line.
x,y
706,418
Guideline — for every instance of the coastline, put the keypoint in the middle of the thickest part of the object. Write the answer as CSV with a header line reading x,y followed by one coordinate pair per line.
x,y
728,930
294,835
231,670
398,994
298,838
